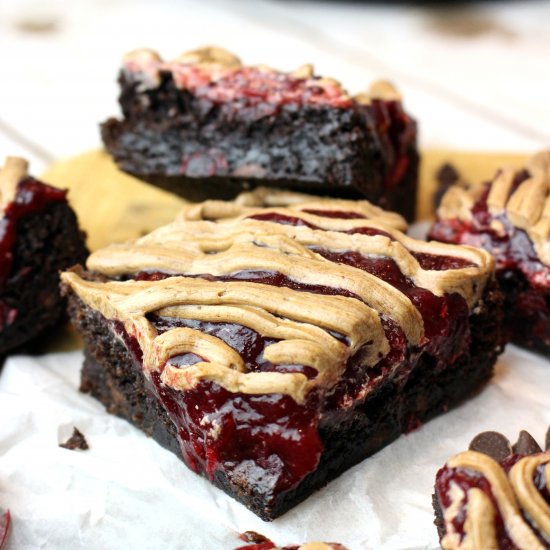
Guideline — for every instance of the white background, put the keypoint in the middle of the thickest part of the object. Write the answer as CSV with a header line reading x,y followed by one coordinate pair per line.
x,y
476,77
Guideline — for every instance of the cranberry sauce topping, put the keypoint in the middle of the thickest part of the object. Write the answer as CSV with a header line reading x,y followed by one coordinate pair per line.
x,y
31,197
269,440
466,480
251,86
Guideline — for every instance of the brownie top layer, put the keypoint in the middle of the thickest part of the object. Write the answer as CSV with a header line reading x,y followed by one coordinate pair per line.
x,y
514,199
496,495
321,281
217,75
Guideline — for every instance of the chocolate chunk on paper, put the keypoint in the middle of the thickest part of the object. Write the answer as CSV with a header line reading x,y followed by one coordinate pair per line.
x,y
76,441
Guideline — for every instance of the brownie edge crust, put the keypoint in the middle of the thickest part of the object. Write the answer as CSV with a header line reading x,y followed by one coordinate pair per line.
x,y
110,375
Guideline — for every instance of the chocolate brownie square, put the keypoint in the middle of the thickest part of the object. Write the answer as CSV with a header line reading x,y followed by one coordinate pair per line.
x,y
274,347
206,126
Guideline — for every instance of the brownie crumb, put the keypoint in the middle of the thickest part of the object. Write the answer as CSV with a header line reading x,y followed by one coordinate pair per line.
x,y
252,536
76,441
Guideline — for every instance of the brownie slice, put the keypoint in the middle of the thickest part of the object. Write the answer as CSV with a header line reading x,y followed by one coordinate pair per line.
x,y
205,126
495,496
39,238
510,217
272,348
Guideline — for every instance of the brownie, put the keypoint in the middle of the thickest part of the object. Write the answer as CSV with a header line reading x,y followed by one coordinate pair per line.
x,y
206,126
39,238
510,217
272,348
495,496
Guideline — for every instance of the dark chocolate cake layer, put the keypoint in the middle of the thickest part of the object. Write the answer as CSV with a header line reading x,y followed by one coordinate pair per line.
x,y
204,126
40,238
275,347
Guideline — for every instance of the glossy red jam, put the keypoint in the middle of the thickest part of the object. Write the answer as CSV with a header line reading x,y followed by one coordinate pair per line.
x,y
523,277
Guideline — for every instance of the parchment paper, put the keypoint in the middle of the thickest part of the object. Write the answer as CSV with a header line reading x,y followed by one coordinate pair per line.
x,y
126,492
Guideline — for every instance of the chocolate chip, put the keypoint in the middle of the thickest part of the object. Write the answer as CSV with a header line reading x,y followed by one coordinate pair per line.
x,y
547,442
492,444
526,445
76,441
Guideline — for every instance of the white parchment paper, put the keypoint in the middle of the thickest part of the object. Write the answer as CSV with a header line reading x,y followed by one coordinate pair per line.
x,y
126,492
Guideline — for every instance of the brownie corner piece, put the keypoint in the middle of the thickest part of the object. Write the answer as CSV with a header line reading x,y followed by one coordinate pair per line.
x,y
494,495
508,217
40,238
273,347
206,126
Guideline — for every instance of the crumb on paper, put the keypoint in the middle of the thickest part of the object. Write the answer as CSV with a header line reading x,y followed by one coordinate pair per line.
x,y
76,441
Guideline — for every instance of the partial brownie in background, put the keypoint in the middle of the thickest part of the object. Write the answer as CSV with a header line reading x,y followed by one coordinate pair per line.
x,y
206,126
509,217
495,496
272,348
39,238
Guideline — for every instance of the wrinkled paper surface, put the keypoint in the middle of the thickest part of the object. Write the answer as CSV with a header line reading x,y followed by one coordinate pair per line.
x,y
128,492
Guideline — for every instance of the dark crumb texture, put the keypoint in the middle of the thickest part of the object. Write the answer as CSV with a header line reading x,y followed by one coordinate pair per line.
x,y
45,243
214,140
111,376
76,441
